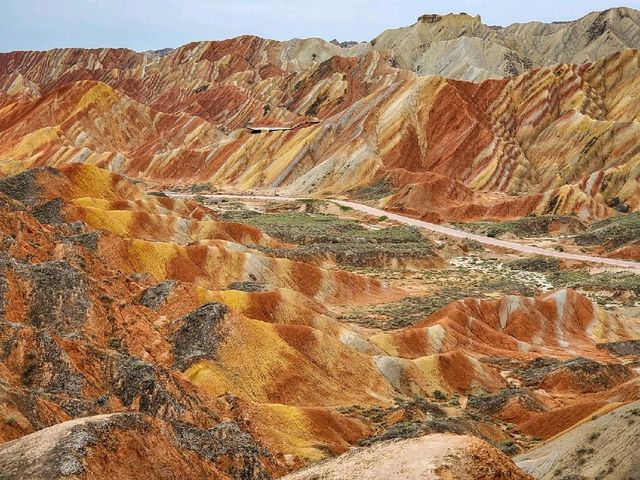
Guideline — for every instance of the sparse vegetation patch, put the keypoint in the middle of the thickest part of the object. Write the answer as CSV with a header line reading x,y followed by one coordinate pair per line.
x,y
531,226
347,241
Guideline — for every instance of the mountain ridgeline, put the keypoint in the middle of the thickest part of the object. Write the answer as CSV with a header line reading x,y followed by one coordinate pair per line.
x,y
155,325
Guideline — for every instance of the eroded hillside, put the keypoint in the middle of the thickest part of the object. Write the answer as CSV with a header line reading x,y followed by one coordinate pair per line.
x,y
559,139
216,350
152,329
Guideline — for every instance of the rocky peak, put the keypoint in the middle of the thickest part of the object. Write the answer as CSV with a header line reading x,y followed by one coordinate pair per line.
x,y
430,18
450,18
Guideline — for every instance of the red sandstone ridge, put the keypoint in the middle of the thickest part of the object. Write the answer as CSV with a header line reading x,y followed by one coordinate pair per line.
x,y
556,324
442,149
142,334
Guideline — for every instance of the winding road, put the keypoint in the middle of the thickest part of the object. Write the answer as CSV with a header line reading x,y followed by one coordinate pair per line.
x,y
451,232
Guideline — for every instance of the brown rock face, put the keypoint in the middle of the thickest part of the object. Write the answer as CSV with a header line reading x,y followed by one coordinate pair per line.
x,y
131,445
433,457
430,18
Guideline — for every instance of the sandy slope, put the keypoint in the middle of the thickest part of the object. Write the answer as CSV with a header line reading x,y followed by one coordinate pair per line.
x,y
432,457
603,448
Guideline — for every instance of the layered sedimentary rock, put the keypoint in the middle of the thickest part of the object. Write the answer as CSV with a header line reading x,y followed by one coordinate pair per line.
x,y
461,46
113,301
556,324
139,325
557,139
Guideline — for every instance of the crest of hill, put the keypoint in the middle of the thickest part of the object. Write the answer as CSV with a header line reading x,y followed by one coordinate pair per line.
x,y
432,457
461,46
455,45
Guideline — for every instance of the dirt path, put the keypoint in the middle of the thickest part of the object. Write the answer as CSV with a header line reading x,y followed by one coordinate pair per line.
x,y
451,232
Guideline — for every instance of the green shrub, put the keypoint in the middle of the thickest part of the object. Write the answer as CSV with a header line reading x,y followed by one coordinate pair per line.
x,y
509,447
439,395
10,420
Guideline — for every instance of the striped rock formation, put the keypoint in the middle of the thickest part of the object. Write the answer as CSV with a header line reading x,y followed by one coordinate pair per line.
x,y
113,301
461,46
134,325
555,139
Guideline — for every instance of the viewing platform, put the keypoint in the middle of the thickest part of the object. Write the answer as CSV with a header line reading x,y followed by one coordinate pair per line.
x,y
279,128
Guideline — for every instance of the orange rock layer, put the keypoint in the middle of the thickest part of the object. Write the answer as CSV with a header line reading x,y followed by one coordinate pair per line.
x,y
553,140
112,300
